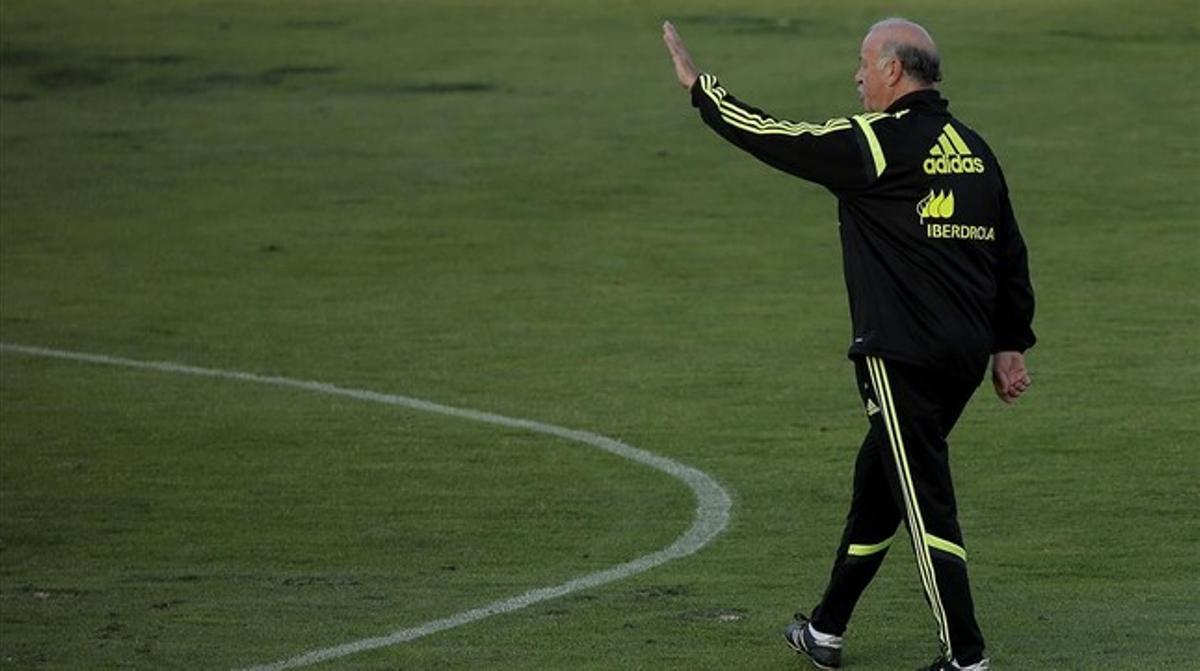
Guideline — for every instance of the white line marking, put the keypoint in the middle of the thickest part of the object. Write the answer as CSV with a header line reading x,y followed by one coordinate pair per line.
x,y
713,504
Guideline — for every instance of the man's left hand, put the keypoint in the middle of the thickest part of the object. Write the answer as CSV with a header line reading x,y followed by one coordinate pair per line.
x,y
1009,376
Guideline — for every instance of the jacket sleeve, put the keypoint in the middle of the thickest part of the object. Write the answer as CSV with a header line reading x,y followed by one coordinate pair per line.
x,y
836,154
1013,321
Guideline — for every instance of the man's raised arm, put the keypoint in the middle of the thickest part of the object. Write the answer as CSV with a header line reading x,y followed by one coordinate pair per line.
x,y
835,154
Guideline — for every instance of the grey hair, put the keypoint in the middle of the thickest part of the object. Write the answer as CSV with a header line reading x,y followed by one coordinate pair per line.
x,y
921,64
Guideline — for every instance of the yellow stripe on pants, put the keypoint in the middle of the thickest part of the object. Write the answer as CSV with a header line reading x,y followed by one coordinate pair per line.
x,y
916,525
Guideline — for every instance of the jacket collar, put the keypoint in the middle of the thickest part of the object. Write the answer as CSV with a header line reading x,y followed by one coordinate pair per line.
x,y
926,100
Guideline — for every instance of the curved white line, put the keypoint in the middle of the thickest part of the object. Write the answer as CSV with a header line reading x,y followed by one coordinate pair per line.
x,y
713,504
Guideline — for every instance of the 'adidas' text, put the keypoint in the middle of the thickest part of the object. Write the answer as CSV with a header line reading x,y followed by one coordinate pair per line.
x,y
940,165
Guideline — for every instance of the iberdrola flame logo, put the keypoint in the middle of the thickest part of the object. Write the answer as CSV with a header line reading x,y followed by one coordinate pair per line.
x,y
938,205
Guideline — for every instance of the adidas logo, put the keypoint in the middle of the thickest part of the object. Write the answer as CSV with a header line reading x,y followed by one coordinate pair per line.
x,y
936,205
871,407
951,156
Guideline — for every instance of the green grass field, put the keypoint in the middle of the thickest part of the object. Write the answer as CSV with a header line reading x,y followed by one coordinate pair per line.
x,y
511,207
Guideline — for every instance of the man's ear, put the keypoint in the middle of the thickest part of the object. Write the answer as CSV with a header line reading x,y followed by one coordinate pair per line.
x,y
894,71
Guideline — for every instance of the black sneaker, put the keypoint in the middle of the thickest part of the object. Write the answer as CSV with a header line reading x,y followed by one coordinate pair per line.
x,y
941,664
800,638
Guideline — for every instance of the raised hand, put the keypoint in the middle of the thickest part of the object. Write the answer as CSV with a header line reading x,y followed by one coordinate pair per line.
x,y
685,69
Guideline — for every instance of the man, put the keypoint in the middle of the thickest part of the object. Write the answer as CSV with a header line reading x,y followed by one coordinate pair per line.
x,y
937,277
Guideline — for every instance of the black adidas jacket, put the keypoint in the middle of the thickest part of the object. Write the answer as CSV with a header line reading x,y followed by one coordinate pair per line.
x,y
935,265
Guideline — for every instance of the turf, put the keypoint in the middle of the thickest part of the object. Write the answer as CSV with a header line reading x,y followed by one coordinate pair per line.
x,y
513,208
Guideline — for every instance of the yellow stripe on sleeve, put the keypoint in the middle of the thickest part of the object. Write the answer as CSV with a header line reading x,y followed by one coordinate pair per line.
x,y
873,143
759,124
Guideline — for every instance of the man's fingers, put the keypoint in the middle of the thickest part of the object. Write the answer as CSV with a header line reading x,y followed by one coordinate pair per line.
x,y
1009,387
1022,383
1015,391
674,44
671,37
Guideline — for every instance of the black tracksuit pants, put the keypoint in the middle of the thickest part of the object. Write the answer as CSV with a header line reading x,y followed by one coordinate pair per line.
x,y
903,474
